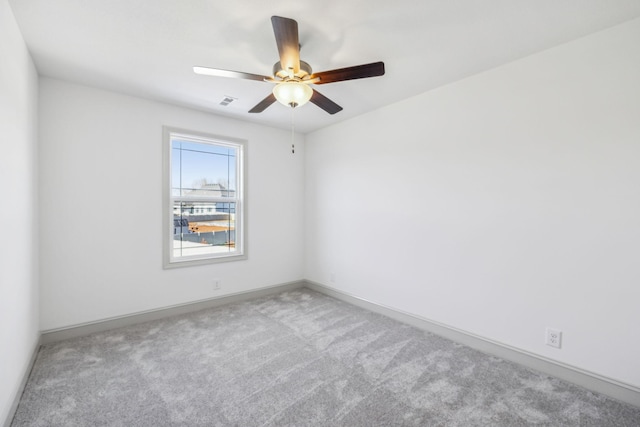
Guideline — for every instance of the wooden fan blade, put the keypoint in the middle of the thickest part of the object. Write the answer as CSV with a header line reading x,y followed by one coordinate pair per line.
x,y
227,73
350,73
325,103
262,105
286,32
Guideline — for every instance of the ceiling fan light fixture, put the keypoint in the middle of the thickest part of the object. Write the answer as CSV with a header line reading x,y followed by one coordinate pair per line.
x,y
293,76
292,93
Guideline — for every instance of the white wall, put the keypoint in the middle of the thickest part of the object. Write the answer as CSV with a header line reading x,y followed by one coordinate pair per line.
x,y
18,209
101,207
500,205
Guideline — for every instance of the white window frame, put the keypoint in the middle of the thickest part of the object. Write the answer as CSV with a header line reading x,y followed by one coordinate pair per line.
x,y
240,251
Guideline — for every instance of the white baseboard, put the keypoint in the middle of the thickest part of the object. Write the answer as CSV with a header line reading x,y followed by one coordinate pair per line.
x,y
54,335
25,377
600,384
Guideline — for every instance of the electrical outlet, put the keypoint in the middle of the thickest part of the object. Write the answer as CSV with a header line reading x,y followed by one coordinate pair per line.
x,y
217,284
553,338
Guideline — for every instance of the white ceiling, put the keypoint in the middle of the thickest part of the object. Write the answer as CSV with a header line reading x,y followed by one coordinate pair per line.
x,y
147,48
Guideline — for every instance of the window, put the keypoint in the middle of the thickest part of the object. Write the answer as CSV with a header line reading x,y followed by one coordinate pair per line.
x,y
204,206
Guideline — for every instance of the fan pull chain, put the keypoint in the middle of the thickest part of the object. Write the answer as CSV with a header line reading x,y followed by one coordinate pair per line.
x,y
293,145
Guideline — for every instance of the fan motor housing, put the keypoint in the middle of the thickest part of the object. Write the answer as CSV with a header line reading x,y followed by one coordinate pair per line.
x,y
305,70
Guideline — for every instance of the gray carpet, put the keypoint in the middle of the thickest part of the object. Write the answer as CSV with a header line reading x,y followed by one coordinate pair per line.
x,y
294,359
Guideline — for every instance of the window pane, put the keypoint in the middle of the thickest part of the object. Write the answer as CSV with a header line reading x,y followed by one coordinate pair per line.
x,y
203,228
200,169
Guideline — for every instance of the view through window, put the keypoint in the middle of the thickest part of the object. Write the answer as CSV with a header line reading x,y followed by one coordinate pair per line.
x,y
206,218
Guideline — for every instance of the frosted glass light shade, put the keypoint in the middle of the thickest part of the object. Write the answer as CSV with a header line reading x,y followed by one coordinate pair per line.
x,y
292,94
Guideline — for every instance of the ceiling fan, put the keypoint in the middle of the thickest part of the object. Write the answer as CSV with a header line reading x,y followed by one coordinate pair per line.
x,y
293,76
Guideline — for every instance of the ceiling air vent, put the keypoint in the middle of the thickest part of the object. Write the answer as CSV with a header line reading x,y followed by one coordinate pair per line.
x,y
227,100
